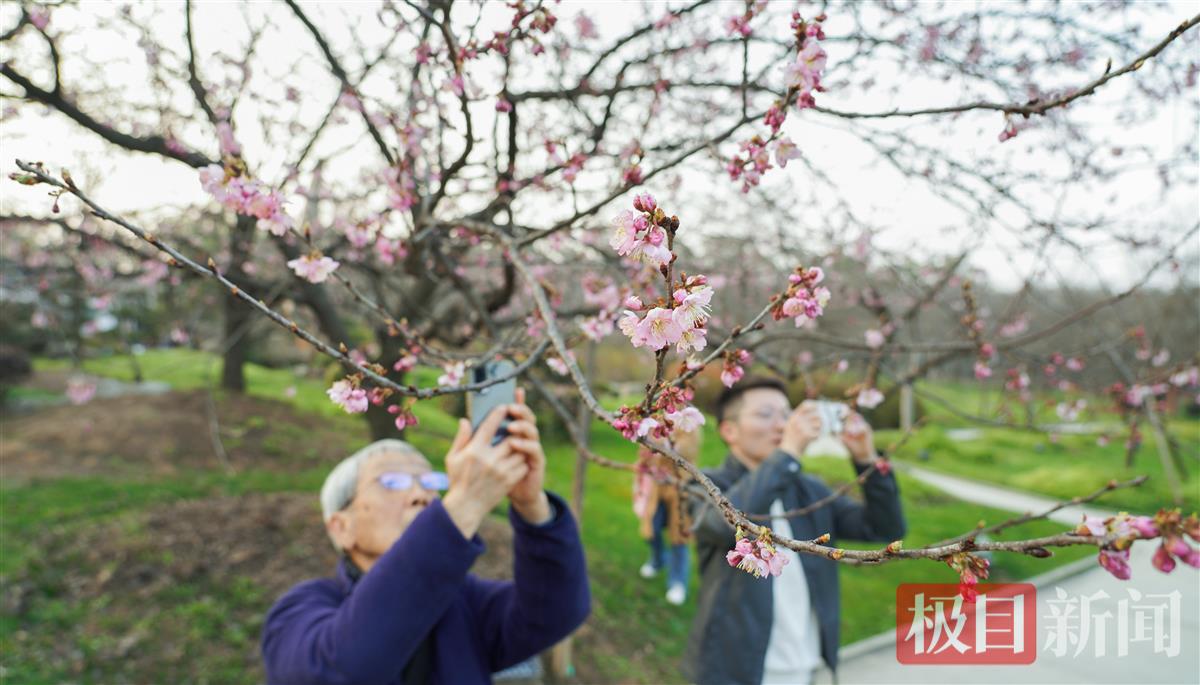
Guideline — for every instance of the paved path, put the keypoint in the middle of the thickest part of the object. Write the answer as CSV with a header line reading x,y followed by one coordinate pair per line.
x,y
874,660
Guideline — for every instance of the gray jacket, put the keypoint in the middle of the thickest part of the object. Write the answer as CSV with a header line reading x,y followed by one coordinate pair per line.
x,y
728,641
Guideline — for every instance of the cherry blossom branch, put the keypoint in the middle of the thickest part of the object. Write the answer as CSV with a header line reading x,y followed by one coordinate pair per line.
x,y
36,171
155,144
1074,501
1034,106
624,188
1034,547
341,75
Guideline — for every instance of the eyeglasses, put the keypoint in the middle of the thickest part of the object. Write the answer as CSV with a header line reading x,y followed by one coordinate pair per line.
x,y
767,414
396,480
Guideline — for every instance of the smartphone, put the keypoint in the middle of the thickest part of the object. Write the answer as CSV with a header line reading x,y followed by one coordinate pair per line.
x,y
833,416
480,403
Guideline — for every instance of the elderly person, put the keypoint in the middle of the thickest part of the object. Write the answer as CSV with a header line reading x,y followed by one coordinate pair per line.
x,y
659,508
402,607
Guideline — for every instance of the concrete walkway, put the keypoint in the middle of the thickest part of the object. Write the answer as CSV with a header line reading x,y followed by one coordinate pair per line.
x,y
1136,601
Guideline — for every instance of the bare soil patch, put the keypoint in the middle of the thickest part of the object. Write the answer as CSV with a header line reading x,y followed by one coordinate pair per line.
x,y
165,434
178,592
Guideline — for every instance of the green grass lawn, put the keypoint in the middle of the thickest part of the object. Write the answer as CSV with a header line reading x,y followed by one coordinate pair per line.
x,y
644,635
1069,466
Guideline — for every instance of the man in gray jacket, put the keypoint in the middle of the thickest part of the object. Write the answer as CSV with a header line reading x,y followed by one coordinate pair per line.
x,y
778,630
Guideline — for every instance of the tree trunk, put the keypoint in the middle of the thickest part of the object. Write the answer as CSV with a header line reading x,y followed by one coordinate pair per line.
x,y
381,423
238,315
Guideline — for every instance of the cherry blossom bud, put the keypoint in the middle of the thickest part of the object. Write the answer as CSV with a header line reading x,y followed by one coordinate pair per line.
x,y
1162,560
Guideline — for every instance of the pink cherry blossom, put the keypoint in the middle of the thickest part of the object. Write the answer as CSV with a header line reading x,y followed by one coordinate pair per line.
x,y
404,417
558,366
1116,562
597,327
632,175
39,16
1093,525
313,269
625,233
651,254
982,370
1144,526
658,329
277,224
644,202
731,375
1186,377
1162,560
645,426
805,73
405,363
692,307
874,338
785,151
687,419
869,398
630,325
353,400
756,557
775,117
453,374
80,391
585,27
694,339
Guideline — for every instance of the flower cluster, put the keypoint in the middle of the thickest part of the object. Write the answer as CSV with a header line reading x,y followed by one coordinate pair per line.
x,y
739,25
644,235
982,368
754,157
802,78
757,557
1018,381
347,394
404,416
1114,556
1175,530
804,74
672,410
246,196
682,324
971,569
804,300
604,295
733,368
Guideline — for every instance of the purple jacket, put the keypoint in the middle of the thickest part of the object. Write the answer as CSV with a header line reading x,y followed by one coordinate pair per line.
x,y
337,630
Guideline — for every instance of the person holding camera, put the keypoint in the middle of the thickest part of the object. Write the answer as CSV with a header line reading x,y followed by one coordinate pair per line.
x,y
402,607
779,630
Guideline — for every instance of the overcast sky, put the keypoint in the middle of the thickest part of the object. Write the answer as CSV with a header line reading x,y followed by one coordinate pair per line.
x,y
913,216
